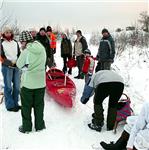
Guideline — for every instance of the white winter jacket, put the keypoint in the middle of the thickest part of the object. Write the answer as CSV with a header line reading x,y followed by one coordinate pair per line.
x,y
139,135
104,76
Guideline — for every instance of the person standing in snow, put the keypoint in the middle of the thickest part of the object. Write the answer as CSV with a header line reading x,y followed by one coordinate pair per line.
x,y
32,63
106,52
88,65
66,52
52,39
105,83
9,53
80,45
43,39
136,133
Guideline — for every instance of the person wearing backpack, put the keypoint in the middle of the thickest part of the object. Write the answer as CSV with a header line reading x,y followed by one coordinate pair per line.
x,y
106,51
135,135
104,83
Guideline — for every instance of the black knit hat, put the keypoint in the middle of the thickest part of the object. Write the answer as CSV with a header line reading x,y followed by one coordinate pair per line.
x,y
42,29
79,31
49,29
104,30
25,36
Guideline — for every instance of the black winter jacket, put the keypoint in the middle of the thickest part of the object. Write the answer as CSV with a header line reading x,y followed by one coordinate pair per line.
x,y
45,42
106,50
66,48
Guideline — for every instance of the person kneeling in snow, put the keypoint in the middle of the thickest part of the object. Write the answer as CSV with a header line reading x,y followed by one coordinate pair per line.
x,y
136,133
106,83
32,61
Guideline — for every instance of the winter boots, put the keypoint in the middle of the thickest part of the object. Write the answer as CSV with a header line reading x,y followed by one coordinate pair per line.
x,y
65,70
95,127
98,118
120,143
24,131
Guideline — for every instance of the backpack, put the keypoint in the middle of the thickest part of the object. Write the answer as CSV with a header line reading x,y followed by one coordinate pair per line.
x,y
123,110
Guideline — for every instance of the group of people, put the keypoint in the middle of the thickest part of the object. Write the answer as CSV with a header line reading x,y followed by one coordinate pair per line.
x,y
37,52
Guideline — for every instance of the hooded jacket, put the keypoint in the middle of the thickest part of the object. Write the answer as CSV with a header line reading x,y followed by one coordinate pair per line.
x,y
106,50
34,57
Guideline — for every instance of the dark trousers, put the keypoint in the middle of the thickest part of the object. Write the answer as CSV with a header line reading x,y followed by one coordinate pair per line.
x,y
103,65
80,61
32,98
65,58
112,89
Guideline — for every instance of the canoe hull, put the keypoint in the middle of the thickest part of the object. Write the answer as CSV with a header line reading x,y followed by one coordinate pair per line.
x,y
62,92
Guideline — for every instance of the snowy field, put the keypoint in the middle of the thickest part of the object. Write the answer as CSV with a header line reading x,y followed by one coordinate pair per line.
x,y
66,129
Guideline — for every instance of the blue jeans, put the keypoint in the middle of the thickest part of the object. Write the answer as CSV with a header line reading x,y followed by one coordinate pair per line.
x,y
11,86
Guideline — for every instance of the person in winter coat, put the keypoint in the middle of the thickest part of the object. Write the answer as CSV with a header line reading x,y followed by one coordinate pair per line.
x,y
80,45
105,83
33,32
66,52
52,39
9,53
136,133
88,66
106,51
43,39
32,63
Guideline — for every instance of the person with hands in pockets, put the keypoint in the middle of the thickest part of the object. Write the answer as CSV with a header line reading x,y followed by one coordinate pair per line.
x,y
9,53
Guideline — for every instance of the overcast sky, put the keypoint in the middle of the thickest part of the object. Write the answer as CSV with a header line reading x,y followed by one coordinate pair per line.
x,y
85,15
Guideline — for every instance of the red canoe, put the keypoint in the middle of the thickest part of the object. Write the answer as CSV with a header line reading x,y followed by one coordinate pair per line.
x,y
60,87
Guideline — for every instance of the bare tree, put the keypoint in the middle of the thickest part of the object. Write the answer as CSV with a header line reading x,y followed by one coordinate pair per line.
x,y
144,20
95,37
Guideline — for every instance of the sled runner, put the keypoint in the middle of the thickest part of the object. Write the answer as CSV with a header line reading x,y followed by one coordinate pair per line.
x,y
60,87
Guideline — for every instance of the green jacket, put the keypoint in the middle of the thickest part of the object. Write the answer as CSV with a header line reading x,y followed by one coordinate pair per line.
x,y
32,62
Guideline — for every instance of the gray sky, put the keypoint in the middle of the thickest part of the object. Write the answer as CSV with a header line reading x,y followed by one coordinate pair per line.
x,y
85,15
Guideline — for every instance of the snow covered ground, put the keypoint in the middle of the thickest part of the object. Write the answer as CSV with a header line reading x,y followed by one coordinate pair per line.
x,y
66,128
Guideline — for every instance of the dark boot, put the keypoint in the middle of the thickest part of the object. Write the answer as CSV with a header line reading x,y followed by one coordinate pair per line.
x,y
23,131
111,118
70,71
95,127
98,118
120,143
64,69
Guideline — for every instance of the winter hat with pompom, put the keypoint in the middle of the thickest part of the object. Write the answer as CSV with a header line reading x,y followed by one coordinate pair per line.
x,y
25,36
